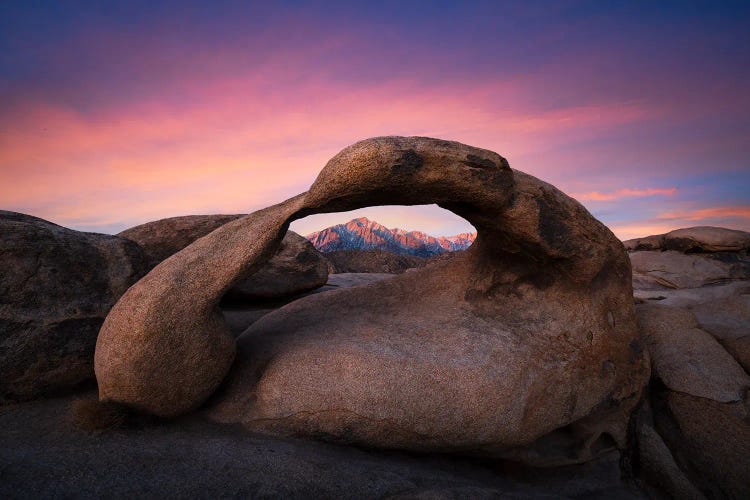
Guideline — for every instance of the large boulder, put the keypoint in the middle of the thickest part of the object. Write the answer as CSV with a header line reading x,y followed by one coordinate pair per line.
x,y
525,335
56,287
296,267
658,466
686,358
709,440
164,237
694,239
713,286
656,270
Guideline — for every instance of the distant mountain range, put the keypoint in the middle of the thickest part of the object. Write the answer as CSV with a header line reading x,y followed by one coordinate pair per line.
x,y
365,234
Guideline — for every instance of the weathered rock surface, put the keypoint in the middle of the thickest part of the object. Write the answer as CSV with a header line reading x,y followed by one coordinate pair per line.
x,y
694,239
659,467
726,318
694,289
296,267
240,316
531,330
686,358
740,349
56,287
671,269
714,287
165,237
372,261
44,456
710,441
690,298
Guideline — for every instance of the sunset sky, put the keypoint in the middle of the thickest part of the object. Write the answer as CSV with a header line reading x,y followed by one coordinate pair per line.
x,y
117,113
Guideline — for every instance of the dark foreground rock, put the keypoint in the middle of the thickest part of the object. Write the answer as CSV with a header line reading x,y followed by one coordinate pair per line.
x,y
44,456
295,267
56,287
712,440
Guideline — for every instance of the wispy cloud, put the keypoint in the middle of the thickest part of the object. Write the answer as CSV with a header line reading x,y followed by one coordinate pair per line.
x,y
733,217
740,212
624,193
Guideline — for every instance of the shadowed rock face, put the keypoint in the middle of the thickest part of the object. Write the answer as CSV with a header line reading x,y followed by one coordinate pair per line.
x,y
531,330
56,287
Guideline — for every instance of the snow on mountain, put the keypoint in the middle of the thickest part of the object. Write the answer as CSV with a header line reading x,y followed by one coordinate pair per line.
x,y
364,234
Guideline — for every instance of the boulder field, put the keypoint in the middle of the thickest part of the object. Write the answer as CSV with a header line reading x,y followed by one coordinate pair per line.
x,y
525,346
693,291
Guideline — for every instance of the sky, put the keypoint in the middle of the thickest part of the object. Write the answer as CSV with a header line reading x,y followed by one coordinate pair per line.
x,y
117,113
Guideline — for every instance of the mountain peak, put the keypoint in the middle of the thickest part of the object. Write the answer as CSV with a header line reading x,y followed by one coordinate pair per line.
x,y
365,234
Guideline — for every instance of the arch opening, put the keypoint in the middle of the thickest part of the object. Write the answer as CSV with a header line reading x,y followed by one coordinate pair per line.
x,y
358,247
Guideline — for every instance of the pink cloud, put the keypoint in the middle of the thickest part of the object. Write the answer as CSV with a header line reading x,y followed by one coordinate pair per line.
x,y
624,193
239,143
733,217
741,212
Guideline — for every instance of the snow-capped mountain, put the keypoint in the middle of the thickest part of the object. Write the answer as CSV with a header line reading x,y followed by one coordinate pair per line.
x,y
364,234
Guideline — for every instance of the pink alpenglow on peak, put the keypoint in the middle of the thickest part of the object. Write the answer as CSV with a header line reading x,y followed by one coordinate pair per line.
x,y
364,234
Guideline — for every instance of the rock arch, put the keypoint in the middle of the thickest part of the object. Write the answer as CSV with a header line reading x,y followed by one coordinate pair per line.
x,y
530,330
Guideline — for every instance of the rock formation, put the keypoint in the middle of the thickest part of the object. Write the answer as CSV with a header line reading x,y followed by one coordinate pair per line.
x,y
296,267
693,286
694,239
162,238
523,346
56,287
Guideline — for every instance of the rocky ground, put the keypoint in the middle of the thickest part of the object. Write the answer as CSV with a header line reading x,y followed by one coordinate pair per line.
x,y
43,455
